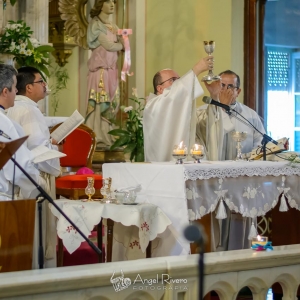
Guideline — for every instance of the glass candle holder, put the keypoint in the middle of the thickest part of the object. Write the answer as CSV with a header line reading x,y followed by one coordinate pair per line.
x,y
90,190
260,240
197,153
179,153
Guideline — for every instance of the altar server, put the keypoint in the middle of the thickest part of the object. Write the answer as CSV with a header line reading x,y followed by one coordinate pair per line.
x,y
170,113
31,89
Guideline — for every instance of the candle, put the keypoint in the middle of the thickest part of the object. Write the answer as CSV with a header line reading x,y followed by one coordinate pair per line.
x,y
196,150
180,149
260,240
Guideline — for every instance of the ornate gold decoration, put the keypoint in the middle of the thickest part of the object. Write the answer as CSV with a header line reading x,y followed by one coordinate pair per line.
x,y
73,12
58,36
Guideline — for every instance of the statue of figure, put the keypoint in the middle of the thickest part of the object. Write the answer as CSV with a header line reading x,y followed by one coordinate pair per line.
x,y
103,82
103,79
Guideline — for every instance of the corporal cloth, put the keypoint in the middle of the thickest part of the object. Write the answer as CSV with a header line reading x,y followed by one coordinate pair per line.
x,y
170,118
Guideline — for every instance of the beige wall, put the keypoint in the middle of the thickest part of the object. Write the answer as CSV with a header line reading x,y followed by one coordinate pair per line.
x,y
175,31
69,98
168,34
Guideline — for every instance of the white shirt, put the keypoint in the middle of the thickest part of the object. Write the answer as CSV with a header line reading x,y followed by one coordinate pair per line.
x,y
26,113
228,124
169,118
23,156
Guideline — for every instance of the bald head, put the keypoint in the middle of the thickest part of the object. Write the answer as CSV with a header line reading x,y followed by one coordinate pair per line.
x,y
163,79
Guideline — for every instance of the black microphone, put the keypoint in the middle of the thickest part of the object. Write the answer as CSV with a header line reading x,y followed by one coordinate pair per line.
x,y
195,233
209,100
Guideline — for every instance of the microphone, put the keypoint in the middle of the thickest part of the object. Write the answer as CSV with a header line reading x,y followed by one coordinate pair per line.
x,y
195,233
5,135
209,100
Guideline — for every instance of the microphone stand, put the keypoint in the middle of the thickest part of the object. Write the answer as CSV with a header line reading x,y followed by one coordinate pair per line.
x,y
265,139
44,195
195,233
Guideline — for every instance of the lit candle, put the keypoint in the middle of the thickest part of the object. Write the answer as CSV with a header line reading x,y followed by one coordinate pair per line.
x,y
260,240
196,150
180,149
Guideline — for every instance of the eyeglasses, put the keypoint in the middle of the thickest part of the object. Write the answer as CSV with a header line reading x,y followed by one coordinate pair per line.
x,y
172,79
229,86
39,81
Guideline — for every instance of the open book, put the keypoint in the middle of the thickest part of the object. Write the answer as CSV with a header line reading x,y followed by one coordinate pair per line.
x,y
68,126
43,153
271,148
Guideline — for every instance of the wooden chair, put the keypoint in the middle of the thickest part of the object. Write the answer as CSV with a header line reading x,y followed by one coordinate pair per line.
x,y
80,147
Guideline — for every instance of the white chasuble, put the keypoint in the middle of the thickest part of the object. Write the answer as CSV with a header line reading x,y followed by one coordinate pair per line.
x,y
170,118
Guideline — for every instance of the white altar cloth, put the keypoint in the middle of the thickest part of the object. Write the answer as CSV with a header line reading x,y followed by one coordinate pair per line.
x,y
162,185
149,219
188,192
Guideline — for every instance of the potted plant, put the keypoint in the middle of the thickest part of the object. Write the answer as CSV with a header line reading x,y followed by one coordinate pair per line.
x,y
132,137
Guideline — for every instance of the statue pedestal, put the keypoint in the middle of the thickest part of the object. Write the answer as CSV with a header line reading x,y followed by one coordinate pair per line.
x,y
103,155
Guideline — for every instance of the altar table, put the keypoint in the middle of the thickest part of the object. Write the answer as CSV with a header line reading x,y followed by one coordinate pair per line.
x,y
189,191
135,225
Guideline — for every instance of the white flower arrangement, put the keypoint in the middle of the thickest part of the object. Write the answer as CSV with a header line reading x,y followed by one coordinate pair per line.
x,y
27,51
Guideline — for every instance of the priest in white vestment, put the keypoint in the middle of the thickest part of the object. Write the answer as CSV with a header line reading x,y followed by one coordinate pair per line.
x,y
11,130
214,124
31,89
170,113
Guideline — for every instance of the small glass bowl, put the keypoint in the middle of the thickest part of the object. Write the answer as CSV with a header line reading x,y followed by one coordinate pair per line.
x,y
197,153
179,153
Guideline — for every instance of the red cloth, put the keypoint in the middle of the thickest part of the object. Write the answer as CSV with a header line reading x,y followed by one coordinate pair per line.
x,y
78,181
77,147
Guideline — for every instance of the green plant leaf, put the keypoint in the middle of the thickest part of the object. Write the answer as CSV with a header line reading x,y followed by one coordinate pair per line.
x,y
130,147
119,142
44,48
119,132
13,2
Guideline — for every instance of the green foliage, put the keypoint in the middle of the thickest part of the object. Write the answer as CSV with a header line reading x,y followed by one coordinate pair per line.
x,y
60,76
132,137
26,50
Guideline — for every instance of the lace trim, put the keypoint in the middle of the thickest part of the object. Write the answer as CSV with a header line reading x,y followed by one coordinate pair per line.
x,y
243,171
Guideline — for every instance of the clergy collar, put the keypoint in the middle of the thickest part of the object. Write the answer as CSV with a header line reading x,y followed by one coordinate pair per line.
x,y
23,98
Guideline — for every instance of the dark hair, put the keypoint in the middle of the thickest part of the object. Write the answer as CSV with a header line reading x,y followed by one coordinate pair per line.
x,y
156,81
7,73
229,72
26,75
96,10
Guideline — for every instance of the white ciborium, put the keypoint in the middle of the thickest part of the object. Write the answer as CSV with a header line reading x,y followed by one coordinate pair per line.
x,y
238,136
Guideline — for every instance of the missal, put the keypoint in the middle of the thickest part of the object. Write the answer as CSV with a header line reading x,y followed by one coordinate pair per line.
x,y
68,126
43,153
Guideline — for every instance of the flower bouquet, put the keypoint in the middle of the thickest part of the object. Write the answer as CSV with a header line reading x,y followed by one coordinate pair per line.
x,y
132,137
27,51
